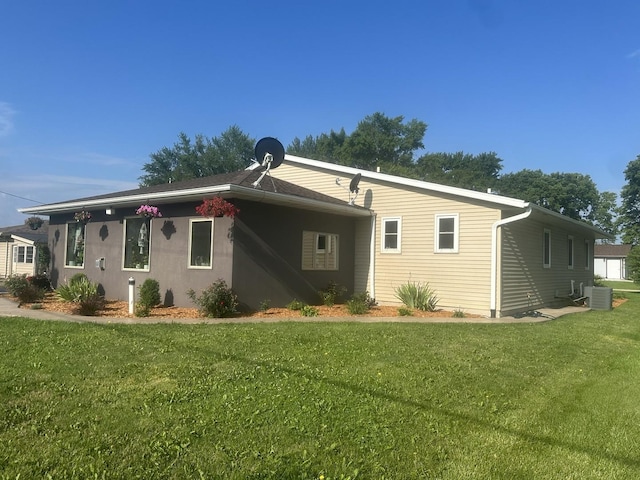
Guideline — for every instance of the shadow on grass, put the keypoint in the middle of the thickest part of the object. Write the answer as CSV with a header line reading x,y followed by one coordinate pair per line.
x,y
427,407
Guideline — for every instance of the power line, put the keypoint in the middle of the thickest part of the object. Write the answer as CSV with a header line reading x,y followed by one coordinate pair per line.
x,y
21,198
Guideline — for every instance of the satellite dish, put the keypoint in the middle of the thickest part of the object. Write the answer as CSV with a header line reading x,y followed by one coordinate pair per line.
x,y
269,154
269,146
353,187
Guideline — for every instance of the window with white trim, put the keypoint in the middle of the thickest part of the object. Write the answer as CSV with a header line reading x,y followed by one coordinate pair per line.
x,y
546,248
446,236
74,251
587,254
320,251
23,254
391,240
200,243
137,243
570,251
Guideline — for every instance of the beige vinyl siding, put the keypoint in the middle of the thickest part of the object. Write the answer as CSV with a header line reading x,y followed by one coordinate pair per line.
x,y
459,279
525,282
6,258
361,256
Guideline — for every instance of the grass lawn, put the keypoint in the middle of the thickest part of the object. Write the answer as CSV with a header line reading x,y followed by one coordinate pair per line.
x,y
556,400
618,285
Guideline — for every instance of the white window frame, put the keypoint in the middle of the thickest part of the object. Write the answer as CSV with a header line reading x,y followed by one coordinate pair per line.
x,y
546,248
384,233
84,244
456,232
570,251
587,254
124,244
320,257
24,257
189,264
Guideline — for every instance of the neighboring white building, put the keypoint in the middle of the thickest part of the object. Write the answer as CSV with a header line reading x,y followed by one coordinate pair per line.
x,y
610,261
19,247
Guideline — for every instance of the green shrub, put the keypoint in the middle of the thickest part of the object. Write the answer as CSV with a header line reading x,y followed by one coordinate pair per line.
x,y
217,301
40,281
309,311
405,312
459,313
149,295
141,310
265,305
20,287
360,303
78,277
598,281
417,295
633,264
83,293
331,294
295,305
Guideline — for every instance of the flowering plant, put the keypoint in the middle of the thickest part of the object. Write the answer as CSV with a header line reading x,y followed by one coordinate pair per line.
x,y
148,211
217,207
82,217
34,222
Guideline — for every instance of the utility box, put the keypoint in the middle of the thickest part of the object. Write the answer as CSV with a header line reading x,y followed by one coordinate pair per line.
x,y
599,298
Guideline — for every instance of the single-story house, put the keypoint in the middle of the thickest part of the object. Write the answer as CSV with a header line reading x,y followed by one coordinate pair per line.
x,y
19,249
286,242
610,261
480,252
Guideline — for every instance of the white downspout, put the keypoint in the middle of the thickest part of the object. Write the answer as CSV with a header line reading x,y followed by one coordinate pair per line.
x,y
372,258
494,255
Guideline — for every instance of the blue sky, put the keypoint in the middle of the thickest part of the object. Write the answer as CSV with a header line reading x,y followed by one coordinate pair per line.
x,y
89,89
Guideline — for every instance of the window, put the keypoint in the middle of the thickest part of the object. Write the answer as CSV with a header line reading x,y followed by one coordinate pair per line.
x,y
319,251
23,254
137,233
587,254
446,233
570,251
546,249
74,253
201,244
391,241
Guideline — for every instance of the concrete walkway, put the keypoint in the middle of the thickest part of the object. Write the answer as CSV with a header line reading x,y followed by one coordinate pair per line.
x,y
9,308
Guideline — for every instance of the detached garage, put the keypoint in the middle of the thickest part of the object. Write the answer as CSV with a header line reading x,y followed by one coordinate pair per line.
x,y
610,261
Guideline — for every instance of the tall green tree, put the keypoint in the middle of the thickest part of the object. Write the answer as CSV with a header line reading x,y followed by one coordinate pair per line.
x,y
572,194
326,146
475,172
605,213
229,152
629,212
379,140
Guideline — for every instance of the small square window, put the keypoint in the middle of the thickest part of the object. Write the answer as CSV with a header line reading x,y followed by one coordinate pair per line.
x,y
391,235
446,236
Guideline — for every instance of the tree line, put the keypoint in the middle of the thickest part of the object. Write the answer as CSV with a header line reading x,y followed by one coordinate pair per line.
x,y
393,145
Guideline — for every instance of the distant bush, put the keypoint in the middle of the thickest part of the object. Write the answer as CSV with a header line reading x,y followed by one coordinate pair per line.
x,y
417,295
83,293
331,294
20,287
265,305
40,281
598,281
405,312
149,295
360,303
309,311
295,305
217,301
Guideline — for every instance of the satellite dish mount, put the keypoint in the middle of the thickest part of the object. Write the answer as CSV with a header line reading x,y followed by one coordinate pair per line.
x,y
354,190
269,154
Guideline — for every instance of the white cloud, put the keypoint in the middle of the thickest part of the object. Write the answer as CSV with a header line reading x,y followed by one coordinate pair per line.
x,y
634,54
6,119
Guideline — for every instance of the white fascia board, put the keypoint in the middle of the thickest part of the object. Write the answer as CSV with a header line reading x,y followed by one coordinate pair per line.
x,y
198,194
409,182
577,223
128,200
22,239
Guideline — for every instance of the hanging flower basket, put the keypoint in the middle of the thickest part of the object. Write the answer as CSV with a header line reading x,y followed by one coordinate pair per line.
x,y
148,211
217,207
34,223
82,217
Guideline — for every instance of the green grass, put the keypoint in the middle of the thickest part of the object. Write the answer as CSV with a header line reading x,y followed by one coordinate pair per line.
x,y
620,285
553,400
